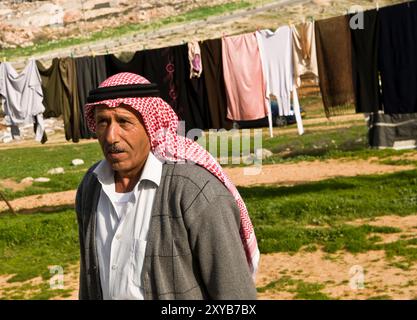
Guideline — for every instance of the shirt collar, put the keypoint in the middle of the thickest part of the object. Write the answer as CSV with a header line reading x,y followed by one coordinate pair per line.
x,y
152,171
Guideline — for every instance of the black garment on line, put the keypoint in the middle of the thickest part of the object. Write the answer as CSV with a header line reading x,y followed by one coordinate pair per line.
x,y
398,58
197,115
91,71
114,65
211,57
169,68
385,130
365,64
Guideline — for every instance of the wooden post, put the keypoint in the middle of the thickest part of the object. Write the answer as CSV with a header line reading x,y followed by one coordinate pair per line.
x,y
8,203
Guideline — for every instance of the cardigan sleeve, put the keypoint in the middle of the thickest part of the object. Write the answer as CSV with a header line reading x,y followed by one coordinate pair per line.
x,y
217,246
83,292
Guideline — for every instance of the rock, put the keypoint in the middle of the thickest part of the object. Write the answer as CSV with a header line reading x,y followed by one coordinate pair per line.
x,y
71,16
56,171
250,159
27,180
46,15
322,2
7,139
42,179
77,162
263,154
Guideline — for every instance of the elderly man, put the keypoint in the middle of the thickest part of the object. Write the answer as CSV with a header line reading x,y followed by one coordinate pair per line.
x,y
158,218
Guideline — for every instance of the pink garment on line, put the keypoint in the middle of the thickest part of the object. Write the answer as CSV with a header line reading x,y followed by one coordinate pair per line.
x,y
243,77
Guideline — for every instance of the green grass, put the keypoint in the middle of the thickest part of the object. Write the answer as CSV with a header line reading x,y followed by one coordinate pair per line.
x,y
402,248
29,291
314,215
292,239
301,290
23,162
35,162
348,143
333,201
114,32
383,297
31,243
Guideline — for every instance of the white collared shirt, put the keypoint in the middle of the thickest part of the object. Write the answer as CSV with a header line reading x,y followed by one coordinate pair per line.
x,y
122,229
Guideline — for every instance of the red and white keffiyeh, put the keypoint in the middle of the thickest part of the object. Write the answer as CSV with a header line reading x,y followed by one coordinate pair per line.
x,y
161,124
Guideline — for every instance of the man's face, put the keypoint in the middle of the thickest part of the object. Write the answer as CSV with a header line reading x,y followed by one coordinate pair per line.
x,y
122,137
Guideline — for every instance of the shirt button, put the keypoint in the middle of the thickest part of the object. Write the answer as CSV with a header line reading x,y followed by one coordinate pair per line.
x,y
114,267
118,237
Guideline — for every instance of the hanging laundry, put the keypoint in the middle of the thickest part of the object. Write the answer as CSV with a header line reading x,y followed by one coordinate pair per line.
x,y
194,57
211,55
192,93
398,58
334,59
91,71
304,51
365,64
166,67
244,81
277,61
23,98
114,65
397,131
51,88
169,68
59,85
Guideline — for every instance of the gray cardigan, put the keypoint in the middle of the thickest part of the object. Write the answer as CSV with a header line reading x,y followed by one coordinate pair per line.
x,y
194,249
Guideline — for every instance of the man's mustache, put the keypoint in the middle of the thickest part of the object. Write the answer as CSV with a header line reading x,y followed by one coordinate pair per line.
x,y
114,148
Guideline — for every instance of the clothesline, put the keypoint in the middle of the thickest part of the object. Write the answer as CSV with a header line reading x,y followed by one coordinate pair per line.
x,y
240,72
71,127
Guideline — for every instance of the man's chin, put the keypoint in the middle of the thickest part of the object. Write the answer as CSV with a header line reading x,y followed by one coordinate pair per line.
x,y
116,162
118,166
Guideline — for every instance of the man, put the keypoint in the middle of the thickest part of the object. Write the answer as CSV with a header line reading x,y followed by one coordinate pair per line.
x,y
158,218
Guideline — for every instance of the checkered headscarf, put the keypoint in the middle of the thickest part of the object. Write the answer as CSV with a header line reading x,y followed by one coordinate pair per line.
x,y
161,125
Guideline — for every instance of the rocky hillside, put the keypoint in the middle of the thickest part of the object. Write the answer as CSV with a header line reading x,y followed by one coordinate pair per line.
x,y
23,23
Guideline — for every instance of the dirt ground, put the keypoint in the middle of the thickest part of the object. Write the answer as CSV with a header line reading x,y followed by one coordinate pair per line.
x,y
336,271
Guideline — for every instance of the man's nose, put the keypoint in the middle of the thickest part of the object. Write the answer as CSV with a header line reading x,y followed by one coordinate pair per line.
x,y
112,133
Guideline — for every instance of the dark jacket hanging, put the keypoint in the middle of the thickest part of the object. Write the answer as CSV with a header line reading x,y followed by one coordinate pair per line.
x,y
52,89
91,71
365,64
164,66
398,58
211,56
59,85
334,58
169,68
114,65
